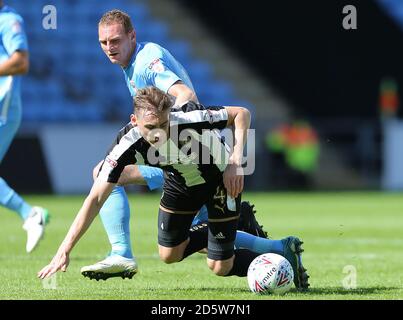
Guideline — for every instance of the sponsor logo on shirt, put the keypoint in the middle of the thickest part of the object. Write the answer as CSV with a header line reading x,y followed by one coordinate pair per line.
x,y
156,66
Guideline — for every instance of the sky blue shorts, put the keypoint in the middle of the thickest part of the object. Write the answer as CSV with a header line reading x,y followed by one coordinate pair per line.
x,y
8,130
153,176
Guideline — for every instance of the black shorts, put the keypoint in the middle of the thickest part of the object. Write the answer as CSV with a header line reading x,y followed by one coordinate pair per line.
x,y
177,196
223,215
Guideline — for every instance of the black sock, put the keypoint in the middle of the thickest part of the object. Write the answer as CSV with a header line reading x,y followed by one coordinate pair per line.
x,y
198,239
243,258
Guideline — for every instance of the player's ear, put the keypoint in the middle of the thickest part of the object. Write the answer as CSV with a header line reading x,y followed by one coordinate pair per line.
x,y
133,35
133,119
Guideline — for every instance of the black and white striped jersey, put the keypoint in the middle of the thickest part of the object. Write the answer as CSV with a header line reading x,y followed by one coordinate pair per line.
x,y
195,152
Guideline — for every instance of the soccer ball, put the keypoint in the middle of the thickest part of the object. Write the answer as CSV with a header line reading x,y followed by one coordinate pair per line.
x,y
270,273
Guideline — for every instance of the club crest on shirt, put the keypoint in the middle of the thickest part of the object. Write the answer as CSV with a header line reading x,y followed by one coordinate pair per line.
x,y
16,27
156,66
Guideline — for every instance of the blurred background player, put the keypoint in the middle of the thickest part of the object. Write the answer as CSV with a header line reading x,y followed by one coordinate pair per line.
x,y
14,62
148,64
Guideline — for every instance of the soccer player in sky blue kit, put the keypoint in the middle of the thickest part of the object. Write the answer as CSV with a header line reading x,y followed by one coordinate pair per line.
x,y
14,62
148,64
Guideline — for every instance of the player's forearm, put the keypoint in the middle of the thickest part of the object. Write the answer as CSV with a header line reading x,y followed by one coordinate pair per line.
x,y
241,126
184,97
89,210
182,93
81,223
17,64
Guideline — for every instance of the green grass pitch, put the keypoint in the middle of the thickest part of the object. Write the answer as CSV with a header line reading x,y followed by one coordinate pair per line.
x,y
343,233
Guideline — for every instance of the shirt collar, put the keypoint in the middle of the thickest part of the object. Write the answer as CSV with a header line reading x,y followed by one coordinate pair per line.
x,y
134,55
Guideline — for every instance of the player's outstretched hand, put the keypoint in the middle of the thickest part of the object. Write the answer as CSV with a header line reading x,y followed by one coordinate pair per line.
x,y
233,180
59,262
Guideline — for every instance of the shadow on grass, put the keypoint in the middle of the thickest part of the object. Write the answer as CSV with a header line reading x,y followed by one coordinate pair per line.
x,y
311,291
342,291
205,290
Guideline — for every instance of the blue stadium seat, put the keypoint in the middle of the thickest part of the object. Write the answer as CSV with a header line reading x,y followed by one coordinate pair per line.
x,y
200,72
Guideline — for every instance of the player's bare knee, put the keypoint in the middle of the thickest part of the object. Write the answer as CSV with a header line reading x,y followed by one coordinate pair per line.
x,y
220,268
170,255
169,258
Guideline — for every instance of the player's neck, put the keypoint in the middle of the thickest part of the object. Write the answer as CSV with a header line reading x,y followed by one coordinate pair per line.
x,y
130,57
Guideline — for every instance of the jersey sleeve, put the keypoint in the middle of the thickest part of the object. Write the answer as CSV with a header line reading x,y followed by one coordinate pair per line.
x,y
156,70
200,117
122,154
216,117
13,36
113,166
159,75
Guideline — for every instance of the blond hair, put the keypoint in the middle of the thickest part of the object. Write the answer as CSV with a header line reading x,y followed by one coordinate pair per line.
x,y
117,16
151,99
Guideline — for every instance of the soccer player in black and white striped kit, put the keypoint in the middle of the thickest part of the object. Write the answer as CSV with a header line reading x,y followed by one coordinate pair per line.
x,y
199,169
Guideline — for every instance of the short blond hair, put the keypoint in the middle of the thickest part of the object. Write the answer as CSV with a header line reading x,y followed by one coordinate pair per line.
x,y
152,99
117,16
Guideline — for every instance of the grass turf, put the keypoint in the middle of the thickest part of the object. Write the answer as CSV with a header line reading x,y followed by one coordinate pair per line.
x,y
342,232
